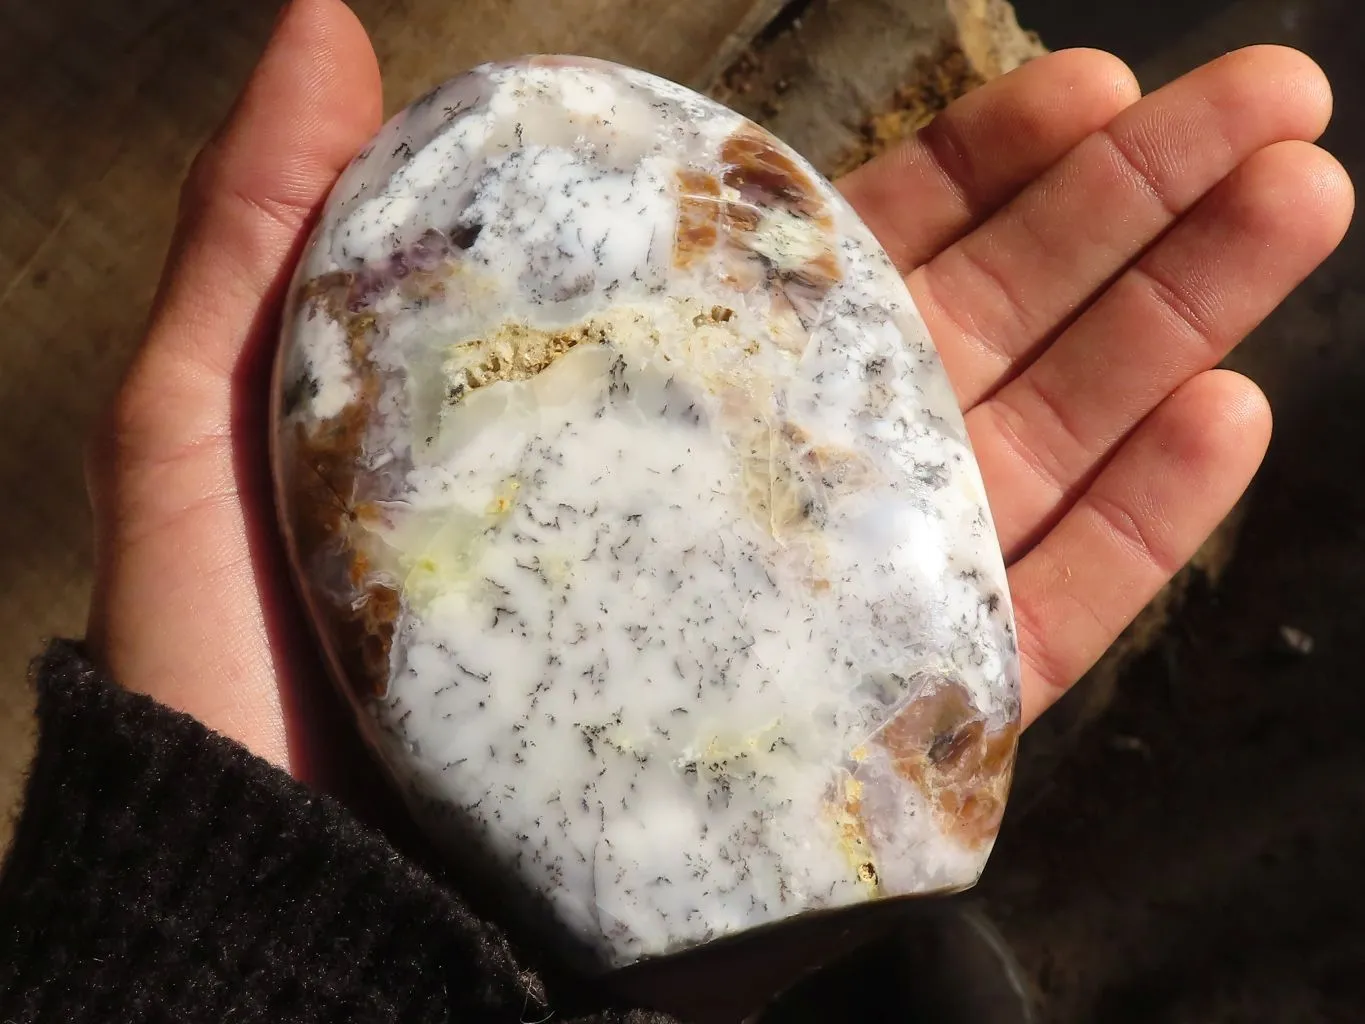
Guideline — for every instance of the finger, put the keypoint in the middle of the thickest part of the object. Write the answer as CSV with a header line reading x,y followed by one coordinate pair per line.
x,y
931,189
1175,313
1141,520
311,103
995,297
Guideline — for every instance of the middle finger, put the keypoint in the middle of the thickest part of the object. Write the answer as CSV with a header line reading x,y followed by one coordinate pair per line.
x,y
993,299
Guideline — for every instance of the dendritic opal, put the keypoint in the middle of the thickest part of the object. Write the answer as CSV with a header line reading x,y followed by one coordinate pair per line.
x,y
636,513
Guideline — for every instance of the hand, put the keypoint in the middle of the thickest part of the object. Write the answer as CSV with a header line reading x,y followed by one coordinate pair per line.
x,y
1083,258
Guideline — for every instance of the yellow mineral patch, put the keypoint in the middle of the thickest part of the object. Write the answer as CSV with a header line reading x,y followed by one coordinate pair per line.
x,y
358,328
721,747
845,808
710,342
439,552
516,351
505,499
445,560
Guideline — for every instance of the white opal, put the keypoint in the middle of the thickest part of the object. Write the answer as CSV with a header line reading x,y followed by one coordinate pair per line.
x,y
637,517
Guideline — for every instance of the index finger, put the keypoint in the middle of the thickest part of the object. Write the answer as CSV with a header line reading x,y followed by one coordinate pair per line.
x,y
971,159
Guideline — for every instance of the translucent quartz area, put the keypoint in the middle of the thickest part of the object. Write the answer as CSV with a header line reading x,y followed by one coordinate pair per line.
x,y
636,515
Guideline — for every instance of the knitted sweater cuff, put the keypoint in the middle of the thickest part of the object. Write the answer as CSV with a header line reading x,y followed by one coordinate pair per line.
x,y
162,872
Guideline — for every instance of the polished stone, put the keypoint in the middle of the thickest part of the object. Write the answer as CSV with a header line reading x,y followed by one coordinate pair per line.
x,y
637,516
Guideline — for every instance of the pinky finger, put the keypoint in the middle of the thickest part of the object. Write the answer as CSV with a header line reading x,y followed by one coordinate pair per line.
x,y
1143,518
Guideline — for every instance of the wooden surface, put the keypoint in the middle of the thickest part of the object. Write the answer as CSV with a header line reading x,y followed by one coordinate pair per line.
x,y
817,84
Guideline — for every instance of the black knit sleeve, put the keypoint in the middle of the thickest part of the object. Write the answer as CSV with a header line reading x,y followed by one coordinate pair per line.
x,y
160,872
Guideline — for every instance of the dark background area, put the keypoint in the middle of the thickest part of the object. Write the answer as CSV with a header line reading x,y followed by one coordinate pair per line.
x,y
1195,854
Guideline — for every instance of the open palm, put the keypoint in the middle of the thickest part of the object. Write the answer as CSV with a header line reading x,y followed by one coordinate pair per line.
x,y
1083,257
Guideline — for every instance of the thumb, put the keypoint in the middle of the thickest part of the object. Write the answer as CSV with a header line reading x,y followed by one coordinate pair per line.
x,y
178,474
312,101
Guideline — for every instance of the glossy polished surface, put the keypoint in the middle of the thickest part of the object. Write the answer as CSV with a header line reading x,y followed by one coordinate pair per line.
x,y
636,513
